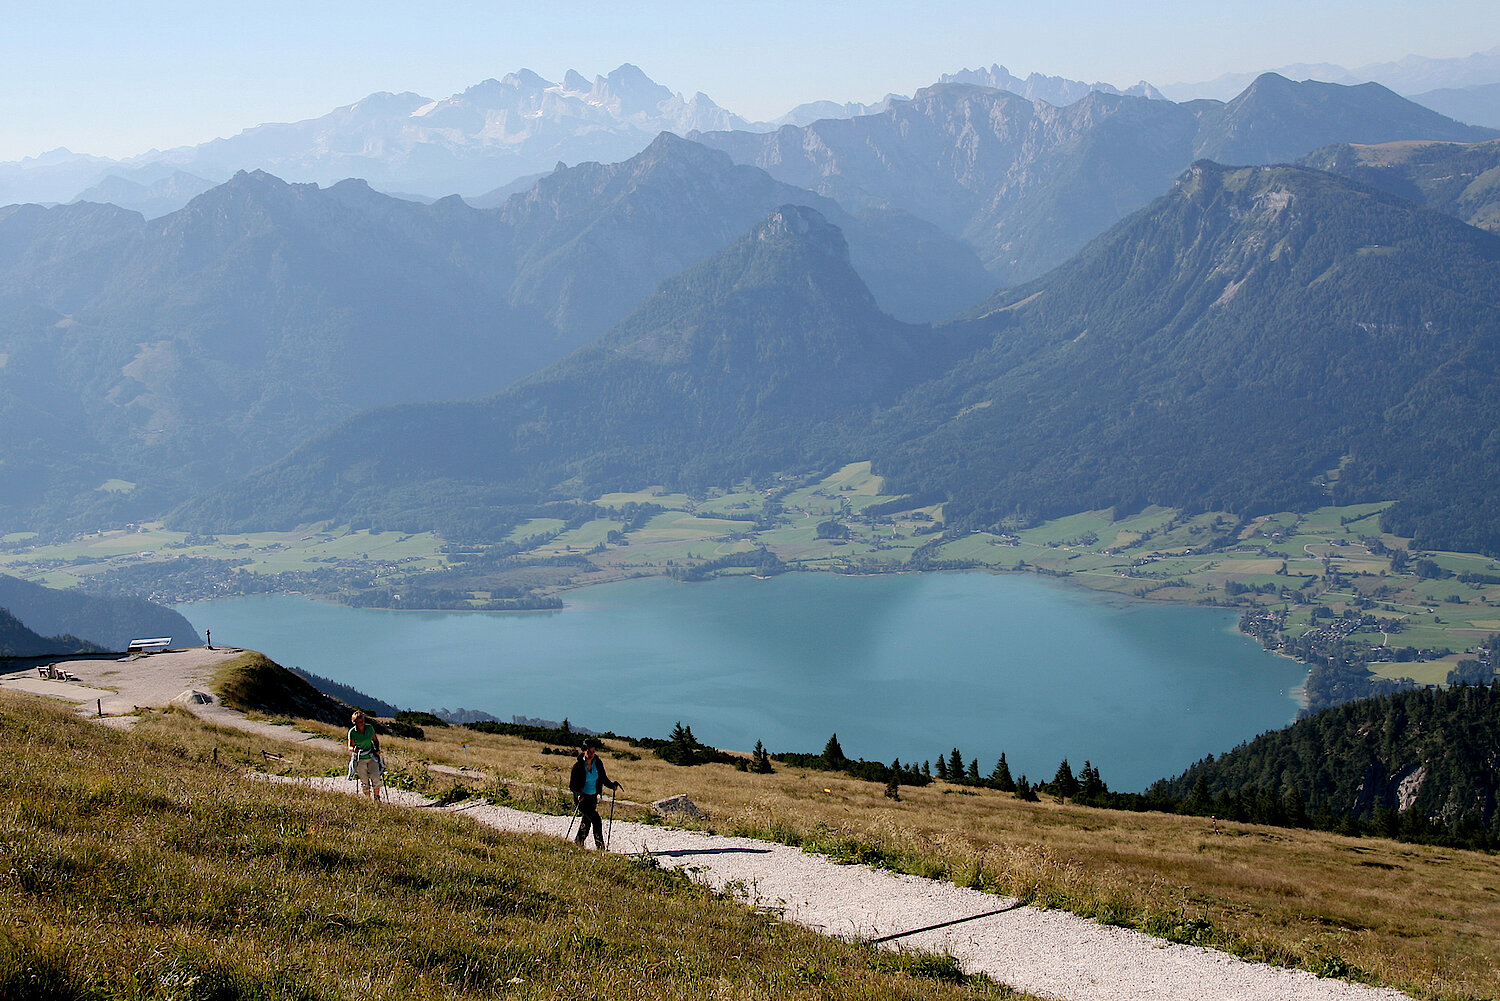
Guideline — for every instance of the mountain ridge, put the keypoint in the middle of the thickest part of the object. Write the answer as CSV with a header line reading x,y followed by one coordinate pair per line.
x,y
1028,184
108,622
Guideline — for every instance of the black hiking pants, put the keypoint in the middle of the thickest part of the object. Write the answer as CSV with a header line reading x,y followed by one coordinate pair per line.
x,y
588,809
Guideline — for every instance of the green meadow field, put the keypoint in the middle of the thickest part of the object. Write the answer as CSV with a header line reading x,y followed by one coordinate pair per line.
x,y
1326,569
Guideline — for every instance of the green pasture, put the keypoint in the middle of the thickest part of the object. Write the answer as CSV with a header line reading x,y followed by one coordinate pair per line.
x,y
1068,531
650,495
534,527
580,539
738,502
671,526
67,563
863,487
1129,530
983,548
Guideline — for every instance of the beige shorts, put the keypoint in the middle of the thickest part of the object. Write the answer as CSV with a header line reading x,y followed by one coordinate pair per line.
x,y
367,770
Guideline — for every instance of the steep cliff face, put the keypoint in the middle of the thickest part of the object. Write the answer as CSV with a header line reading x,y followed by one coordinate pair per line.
x,y
1028,183
1025,183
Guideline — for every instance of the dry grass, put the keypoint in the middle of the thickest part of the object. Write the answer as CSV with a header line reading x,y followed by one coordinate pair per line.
x,y
145,865
1425,920
272,875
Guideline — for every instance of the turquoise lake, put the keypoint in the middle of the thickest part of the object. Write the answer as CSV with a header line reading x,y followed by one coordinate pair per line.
x,y
907,665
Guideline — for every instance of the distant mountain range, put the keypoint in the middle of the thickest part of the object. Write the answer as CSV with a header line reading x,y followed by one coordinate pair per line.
x,y
145,362
158,357
1414,77
466,144
1055,90
1027,185
1257,339
483,140
473,144
770,353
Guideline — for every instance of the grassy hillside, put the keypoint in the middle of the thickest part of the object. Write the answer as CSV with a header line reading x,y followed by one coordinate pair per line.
x,y
253,682
135,862
145,865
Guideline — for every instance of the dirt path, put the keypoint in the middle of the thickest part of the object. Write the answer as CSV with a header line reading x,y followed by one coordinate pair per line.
x,y
1049,953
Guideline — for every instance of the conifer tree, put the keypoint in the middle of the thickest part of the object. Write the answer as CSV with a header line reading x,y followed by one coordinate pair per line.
x,y
955,766
1198,799
942,767
1000,777
1296,808
1064,784
833,754
681,747
760,760
974,771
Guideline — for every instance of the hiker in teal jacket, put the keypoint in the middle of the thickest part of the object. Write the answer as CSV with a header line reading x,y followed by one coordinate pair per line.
x,y
586,782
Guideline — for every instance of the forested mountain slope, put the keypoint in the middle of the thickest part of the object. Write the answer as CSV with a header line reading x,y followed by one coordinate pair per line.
x,y
1422,755
111,622
16,640
1457,179
1259,339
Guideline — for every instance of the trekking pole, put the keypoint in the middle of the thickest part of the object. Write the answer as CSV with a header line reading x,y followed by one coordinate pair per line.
x,y
611,839
577,810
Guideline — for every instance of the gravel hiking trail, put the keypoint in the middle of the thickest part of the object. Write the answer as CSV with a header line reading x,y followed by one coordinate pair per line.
x,y
1047,953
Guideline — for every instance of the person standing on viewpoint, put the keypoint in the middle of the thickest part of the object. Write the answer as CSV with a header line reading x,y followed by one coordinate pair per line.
x,y
586,782
364,747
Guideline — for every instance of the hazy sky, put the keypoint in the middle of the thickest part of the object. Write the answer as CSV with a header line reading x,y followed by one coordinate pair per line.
x,y
116,78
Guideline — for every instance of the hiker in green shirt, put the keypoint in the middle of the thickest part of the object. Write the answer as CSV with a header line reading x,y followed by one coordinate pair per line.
x,y
364,750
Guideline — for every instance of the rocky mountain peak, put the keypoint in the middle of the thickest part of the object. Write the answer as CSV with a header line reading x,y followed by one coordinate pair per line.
x,y
805,227
628,91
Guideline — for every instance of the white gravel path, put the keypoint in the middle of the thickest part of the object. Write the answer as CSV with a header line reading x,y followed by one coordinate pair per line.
x,y
1048,953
